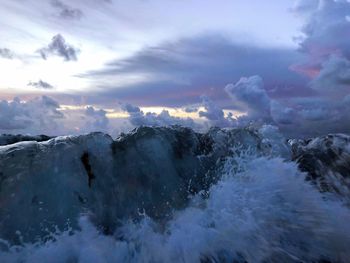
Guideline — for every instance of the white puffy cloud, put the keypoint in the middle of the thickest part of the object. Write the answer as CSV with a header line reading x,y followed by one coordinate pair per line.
x,y
250,93
214,114
96,120
13,115
326,27
247,94
137,118
39,115
326,62
326,44
313,115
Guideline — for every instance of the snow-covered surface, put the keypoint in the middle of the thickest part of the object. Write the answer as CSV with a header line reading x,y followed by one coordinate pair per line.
x,y
168,194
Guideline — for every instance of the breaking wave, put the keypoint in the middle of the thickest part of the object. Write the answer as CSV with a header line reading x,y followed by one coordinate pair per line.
x,y
260,210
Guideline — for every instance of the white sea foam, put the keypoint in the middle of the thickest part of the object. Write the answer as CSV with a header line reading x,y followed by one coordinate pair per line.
x,y
260,210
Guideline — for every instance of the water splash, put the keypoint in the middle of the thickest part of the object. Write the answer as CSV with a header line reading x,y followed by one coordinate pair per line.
x,y
261,210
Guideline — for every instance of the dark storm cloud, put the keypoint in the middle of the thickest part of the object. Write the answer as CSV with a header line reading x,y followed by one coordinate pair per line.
x,y
65,11
180,72
40,85
59,47
6,53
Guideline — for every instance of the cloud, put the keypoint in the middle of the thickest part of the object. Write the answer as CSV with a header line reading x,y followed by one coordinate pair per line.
x,y
248,94
40,85
6,53
326,44
59,47
302,6
13,116
315,114
191,108
312,116
97,119
138,118
66,11
177,73
214,114
334,76
129,108
44,115
326,61
326,29
39,115
281,114
346,101
251,95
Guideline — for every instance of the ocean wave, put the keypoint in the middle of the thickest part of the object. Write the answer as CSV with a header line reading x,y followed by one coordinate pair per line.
x,y
260,208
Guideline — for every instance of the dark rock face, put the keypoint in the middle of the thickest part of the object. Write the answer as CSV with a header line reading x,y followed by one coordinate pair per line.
x,y
326,160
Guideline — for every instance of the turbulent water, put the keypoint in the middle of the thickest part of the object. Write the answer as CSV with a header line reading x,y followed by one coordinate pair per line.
x,y
173,195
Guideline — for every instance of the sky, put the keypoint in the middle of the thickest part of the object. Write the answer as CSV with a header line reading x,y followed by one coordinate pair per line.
x,y
71,67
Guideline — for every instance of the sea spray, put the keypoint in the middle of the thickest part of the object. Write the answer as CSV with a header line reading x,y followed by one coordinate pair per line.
x,y
264,211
